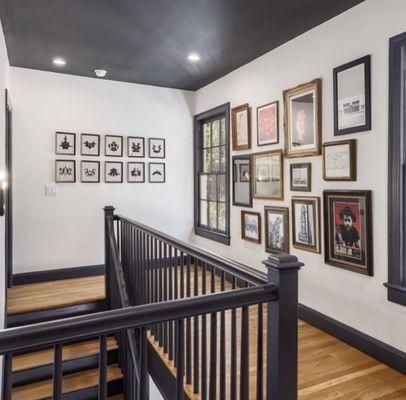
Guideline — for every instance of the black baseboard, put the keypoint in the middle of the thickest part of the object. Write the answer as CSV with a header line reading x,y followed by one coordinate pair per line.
x,y
57,274
367,344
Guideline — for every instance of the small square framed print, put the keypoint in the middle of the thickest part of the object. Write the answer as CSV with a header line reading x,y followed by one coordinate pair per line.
x,y
268,124
90,171
340,160
301,177
251,226
156,172
156,148
89,144
65,143
241,127
277,229
135,172
242,182
113,172
113,146
135,146
65,171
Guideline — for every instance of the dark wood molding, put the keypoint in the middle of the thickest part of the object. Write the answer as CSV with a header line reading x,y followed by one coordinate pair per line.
x,y
381,351
57,274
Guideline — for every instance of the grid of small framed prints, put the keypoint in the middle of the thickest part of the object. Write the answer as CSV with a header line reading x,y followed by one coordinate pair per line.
x,y
115,171
347,216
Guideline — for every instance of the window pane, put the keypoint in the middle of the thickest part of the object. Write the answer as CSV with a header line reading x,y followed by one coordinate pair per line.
x,y
212,187
203,187
215,131
213,214
223,130
203,213
207,160
206,135
222,187
222,217
216,160
223,158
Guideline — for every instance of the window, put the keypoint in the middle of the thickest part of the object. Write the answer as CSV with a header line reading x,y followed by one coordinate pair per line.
x,y
212,183
397,171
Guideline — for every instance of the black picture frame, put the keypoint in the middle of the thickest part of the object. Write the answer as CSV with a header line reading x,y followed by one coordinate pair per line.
x,y
152,152
366,253
129,164
130,152
150,166
117,137
236,172
366,61
60,152
106,164
83,153
73,162
81,171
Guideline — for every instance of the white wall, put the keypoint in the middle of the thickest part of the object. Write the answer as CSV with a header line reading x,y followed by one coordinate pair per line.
x,y
67,230
354,299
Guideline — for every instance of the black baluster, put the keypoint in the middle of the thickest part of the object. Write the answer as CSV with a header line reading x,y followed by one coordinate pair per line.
x,y
204,341
260,358
222,345
171,324
8,379
213,357
176,292
156,281
188,330
57,375
180,350
244,373
196,333
102,368
233,352
165,268
160,337
144,380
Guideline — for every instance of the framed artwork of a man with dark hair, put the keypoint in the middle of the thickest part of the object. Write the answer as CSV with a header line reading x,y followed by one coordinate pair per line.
x,y
348,230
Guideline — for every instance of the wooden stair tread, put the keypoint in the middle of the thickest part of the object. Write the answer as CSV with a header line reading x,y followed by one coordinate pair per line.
x,y
71,383
69,352
55,294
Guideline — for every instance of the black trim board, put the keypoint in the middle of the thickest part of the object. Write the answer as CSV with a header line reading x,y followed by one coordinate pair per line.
x,y
57,274
367,344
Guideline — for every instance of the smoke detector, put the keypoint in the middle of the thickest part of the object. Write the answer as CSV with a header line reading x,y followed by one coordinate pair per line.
x,y
100,73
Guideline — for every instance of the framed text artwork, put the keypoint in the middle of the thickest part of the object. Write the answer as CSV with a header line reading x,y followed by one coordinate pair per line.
x,y
340,160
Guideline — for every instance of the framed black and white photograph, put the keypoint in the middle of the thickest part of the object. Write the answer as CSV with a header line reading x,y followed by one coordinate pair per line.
x,y
242,181
251,226
113,172
156,172
135,147
352,97
306,223
301,177
90,171
65,171
348,230
135,172
89,144
113,146
156,148
65,143
340,160
277,229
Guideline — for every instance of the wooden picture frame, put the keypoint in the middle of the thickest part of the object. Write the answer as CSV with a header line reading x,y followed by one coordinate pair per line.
x,y
65,144
156,148
113,175
65,171
244,235
348,230
113,146
273,235
340,165
89,145
306,229
352,97
242,190
90,175
241,127
160,167
268,124
301,183
303,119
135,147
136,172
264,175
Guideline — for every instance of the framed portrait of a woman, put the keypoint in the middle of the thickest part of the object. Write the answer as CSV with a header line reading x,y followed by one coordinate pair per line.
x,y
303,120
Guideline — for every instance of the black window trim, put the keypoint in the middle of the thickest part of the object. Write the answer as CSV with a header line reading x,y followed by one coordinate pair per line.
x,y
223,110
396,284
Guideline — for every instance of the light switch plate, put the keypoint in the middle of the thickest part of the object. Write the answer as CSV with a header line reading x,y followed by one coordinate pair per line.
x,y
50,189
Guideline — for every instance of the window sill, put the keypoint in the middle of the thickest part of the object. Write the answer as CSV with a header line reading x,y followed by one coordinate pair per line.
x,y
396,293
217,237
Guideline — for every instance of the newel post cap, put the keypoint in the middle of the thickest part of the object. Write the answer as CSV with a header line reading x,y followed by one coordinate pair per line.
x,y
282,262
109,210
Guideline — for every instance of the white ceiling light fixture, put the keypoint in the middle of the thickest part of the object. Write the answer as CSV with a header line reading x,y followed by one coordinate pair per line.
x,y
100,73
60,62
193,57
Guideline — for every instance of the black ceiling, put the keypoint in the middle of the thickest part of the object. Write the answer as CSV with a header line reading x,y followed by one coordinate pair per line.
x,y
147,41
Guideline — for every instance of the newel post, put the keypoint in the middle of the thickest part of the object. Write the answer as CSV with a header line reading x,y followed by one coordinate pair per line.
x,y
282,328
108,212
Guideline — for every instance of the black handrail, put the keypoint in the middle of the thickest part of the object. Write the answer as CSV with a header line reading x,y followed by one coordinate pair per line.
x,y
106,322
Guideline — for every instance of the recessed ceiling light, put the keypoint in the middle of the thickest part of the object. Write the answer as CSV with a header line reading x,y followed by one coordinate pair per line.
x,y
100,73
193,57
60,62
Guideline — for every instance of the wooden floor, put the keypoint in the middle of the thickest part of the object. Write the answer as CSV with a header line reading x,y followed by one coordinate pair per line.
x,y
54,294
